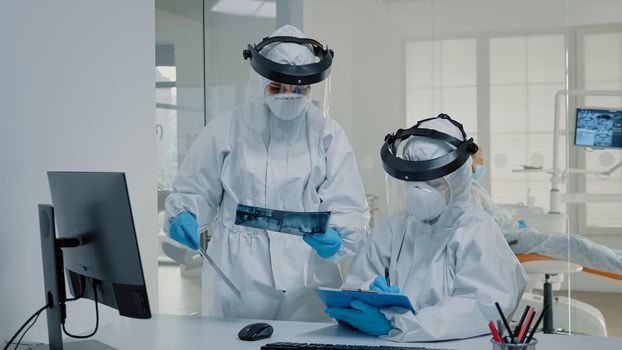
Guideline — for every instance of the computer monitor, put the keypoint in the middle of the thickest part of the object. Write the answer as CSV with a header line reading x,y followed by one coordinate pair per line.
x,y
94,245
599,128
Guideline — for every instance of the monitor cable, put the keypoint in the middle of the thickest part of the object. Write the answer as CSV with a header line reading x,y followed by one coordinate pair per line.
x,y
96,316
34,319
34,316
26,331
82,284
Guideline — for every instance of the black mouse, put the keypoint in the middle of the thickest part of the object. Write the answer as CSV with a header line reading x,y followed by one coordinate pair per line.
x,y
256,331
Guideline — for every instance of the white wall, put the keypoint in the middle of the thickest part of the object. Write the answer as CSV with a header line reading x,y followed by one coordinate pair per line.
x,y
76,93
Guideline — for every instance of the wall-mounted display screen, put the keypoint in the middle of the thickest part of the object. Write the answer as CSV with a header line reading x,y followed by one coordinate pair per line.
x,y
600,128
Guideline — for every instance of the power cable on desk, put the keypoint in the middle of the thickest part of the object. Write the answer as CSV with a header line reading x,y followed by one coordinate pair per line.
x,y
38,313
34,316
26,331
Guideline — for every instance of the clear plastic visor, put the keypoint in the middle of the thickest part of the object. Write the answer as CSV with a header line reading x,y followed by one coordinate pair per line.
x,y
423,200
318,94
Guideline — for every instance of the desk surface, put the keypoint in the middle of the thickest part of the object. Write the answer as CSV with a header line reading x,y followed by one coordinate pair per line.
x,y
168,332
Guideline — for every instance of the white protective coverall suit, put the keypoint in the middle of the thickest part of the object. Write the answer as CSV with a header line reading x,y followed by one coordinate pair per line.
x,y
249,156
453,271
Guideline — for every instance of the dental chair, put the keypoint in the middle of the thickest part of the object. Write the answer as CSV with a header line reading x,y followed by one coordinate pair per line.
x,y
566,315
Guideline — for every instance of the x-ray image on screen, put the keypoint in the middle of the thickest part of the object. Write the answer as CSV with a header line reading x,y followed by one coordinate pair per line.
x,y
598,128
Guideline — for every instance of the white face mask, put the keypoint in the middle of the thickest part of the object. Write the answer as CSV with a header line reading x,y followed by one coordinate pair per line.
x,y
287,106
425,203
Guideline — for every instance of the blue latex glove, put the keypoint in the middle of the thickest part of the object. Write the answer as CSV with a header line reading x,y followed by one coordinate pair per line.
x,y
325,244
362,316
380,284
185,230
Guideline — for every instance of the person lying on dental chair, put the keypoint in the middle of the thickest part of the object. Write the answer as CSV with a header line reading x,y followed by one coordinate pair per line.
x,y
524,239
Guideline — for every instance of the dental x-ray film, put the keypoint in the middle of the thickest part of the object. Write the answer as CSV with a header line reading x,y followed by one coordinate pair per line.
x,y
294,223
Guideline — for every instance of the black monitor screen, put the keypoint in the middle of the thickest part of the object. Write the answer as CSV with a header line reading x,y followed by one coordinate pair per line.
x,y
599,128
95,208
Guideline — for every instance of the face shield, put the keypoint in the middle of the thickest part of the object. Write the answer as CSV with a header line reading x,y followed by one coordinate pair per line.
x,y
290,74
425,167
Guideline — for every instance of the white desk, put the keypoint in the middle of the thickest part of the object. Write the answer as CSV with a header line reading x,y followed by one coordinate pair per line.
x,y
167,332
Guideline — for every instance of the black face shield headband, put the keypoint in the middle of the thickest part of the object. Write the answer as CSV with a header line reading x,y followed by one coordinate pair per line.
x,y
306,74
431,169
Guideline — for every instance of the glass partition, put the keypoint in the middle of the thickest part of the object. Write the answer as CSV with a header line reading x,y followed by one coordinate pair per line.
x,y
180,116
497,66
200,73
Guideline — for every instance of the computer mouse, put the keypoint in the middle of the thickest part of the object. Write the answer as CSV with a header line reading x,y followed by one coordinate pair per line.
x,y
255,331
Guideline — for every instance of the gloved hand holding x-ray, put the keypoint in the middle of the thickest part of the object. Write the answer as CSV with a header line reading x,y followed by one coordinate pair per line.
x,y
325,244
313,226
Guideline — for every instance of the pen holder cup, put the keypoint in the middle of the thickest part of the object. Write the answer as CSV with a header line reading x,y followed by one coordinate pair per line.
x,y
507,346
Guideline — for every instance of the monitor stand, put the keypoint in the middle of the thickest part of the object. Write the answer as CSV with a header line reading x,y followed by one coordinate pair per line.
x,y
78,345
54,283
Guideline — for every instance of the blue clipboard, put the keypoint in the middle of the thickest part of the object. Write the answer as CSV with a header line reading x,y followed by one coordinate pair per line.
x,y
342,298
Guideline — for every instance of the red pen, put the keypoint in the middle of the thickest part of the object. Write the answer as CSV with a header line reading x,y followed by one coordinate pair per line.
x,y
495,333
523,328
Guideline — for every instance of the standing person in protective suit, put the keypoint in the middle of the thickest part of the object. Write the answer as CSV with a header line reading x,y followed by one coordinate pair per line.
x,y
277,150
442,251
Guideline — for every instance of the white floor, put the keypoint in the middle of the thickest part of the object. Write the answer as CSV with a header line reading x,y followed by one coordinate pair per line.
x,y
610,304
179,293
